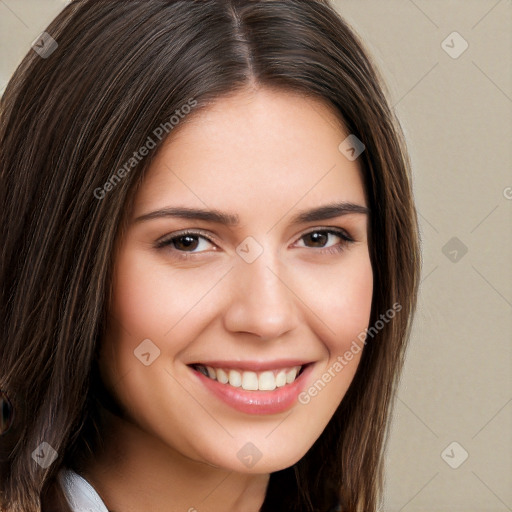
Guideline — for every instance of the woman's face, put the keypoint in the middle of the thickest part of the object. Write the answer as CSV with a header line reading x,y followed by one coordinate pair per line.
x,y
249,302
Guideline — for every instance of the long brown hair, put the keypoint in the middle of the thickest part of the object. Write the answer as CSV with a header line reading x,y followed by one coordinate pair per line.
x,y
71,119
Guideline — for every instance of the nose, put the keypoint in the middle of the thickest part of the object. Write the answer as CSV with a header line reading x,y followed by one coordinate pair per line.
x,y
261,301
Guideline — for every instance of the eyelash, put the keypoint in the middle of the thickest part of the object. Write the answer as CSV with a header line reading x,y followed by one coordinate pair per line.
x,y
168,241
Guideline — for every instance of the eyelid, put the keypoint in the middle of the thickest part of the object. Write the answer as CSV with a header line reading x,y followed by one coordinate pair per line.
x,y
343,233
171,236
162,242
346,239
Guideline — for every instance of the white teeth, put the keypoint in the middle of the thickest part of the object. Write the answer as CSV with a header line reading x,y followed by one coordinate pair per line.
x,y
281,379
252,381
267,381
290,376
235,379
222,376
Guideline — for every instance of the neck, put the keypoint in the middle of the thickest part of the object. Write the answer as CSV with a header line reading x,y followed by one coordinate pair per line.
x,y
136,471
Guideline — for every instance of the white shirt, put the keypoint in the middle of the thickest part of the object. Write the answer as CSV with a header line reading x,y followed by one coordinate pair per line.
x,y
82,497
79,493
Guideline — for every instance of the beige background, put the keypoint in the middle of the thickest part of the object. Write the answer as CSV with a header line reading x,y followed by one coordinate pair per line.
x,y
457,115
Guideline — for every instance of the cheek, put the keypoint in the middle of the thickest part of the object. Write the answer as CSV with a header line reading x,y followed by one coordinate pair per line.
x,y
139,312
352,318
345,307
151,299
351,312
341,300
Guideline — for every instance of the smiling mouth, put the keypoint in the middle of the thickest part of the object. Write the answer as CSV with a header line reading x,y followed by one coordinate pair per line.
x,y
267,380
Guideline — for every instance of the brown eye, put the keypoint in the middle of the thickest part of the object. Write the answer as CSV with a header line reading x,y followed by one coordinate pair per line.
x,y
185,244
320,237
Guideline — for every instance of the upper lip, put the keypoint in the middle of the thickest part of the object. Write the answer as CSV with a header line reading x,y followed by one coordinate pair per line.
x,y
256,366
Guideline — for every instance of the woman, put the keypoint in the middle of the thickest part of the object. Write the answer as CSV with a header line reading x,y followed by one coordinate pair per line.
x,y
209,264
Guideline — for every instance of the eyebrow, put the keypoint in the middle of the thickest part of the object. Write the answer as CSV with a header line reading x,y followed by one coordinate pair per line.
x,y
328,211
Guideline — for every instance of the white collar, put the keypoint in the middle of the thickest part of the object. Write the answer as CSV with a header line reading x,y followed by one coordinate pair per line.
x,y
79,493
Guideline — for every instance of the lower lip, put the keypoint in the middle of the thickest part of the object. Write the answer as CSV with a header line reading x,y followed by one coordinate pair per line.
x,y
257,402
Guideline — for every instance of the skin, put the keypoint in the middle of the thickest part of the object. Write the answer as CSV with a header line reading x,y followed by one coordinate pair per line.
x,y
264,155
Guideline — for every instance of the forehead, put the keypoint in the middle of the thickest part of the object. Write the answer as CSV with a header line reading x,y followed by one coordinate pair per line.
x,y
256,151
